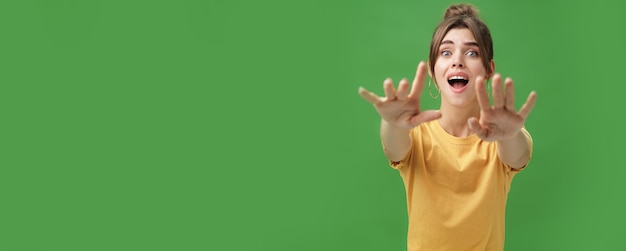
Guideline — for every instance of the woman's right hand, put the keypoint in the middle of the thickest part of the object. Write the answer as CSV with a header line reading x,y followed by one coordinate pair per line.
x,y
401,108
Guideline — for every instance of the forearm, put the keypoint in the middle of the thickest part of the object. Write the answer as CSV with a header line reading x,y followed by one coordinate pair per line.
x,y
514,152
396,141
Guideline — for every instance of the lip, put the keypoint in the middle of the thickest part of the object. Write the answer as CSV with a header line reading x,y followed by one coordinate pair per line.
x,y
462,74
458,90
458,73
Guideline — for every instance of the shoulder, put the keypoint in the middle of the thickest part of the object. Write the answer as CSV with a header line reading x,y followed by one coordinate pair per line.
x,y
429,127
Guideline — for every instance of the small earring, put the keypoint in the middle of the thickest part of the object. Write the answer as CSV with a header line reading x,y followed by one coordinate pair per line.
x,y
430,91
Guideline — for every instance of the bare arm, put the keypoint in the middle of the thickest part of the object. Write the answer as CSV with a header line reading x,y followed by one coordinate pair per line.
x,y
400,111
502,123
515,152
396,141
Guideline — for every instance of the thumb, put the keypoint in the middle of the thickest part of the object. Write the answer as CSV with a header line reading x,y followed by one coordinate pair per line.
x,y
425,116
475,126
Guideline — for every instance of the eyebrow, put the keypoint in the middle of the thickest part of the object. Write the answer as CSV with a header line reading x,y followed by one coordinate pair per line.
x,y
466,43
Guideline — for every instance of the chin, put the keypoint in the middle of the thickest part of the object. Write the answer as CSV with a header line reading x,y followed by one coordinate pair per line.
x,y
460,101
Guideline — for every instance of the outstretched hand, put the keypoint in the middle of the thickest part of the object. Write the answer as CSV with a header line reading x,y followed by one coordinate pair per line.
x,y
500,121
401,107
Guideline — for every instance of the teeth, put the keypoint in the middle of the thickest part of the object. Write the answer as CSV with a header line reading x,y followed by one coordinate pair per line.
x,y
457,77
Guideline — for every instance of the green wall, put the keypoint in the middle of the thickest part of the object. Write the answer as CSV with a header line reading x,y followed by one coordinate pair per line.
x,y
236,125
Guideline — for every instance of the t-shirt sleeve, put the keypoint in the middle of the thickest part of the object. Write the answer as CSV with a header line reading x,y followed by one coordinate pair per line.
x,y
529,139
407,158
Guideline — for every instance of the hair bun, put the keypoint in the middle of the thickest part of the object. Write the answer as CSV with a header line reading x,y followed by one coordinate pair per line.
x,y
457,10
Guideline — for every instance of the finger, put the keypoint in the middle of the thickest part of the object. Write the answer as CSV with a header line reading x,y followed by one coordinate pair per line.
x,y
475,126
498,98
528,106
403,89
481,94
509,99
418,81
425,116
390,92
368,96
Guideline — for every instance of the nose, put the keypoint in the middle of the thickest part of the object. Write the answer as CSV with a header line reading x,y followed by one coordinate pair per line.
x,y
458,61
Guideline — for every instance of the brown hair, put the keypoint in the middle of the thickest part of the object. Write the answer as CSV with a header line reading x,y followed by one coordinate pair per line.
x,y
463,16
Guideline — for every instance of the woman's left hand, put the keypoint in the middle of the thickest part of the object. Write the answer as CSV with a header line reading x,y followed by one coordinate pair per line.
x,y
500,121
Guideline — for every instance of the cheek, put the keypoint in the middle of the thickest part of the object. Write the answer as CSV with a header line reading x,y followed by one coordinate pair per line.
x,y
438,68
479,68
439,74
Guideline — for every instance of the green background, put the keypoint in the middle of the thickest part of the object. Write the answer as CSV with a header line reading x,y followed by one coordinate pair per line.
x,y
236,125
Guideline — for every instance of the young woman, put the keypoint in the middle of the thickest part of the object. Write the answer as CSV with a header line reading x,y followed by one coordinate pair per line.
x,y
457,163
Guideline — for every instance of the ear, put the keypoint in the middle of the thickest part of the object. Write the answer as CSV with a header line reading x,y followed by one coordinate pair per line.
x,y
492,64
430,74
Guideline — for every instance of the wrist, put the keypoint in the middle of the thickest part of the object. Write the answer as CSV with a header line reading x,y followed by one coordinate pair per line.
x,y
517,137
393,126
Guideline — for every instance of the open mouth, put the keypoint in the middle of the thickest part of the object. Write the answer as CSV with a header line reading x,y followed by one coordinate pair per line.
x,y
458,82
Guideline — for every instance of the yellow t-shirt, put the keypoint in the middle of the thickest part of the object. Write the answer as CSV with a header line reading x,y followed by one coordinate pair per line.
x,y
456,191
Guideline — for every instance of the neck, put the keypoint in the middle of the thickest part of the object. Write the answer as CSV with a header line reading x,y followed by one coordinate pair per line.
x,y
454,118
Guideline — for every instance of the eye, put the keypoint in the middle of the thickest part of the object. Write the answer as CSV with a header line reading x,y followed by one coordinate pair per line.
x,y
446,53
472,53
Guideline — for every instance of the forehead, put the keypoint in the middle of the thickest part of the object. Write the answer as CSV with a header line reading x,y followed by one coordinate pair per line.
x,y
459,36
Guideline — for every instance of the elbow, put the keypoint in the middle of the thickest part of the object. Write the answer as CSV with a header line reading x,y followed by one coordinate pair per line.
x,y
394,156
520,162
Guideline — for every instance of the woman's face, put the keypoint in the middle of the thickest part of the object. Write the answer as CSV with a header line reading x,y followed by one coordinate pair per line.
x,y
457,66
